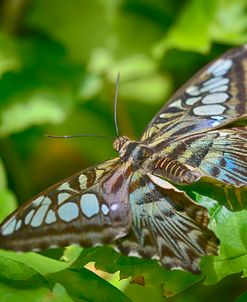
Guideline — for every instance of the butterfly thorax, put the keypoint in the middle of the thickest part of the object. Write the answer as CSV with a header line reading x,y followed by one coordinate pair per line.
x,y
131,150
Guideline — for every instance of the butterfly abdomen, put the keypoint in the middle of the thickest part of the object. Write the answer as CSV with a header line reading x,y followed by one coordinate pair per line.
x,y
175,171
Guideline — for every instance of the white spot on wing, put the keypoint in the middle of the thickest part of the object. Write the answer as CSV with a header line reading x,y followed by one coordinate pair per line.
x,y
83,181
220,67
134,254
50,217
177,103
218,117
65,186
212,81
89,205
209,110
114,207
62,197
18,225
192,101
104,209
193,90
38,201
68,211
29,217
220,89
38,217
53,246
214,98
163,115
221,82
9,227
155,257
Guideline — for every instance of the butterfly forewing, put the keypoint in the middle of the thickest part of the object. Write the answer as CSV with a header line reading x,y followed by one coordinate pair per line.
x,y
81,210
215,96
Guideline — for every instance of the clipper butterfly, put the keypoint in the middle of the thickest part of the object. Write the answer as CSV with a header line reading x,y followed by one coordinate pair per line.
x,y
136,201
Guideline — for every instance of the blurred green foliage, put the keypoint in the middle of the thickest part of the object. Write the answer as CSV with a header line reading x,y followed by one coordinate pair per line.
x,y
58,66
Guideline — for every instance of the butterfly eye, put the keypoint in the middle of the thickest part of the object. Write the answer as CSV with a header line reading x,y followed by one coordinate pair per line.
x,y
120,142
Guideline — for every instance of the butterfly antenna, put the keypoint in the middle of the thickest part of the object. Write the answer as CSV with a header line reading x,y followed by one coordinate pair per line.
x,y
115,104
95,135
80,135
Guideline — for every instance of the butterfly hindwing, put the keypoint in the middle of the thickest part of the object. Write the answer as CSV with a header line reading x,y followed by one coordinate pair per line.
x,y
80,210
219,157
167,225
221,154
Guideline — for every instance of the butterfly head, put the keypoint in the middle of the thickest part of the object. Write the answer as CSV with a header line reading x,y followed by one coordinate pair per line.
x,y
120,143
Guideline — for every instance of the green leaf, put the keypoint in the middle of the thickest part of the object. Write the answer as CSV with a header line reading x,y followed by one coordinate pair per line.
x,y
203,21
84,284
7,203
146,90
106,25
9,57
191,29
38,108
44,86
14,270
230,227
229,25
109,28
3,179
242,298
234,198
41,294
41,264
7,199
60,294
139,81
108,260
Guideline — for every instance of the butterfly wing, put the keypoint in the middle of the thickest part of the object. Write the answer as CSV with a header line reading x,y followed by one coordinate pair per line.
x,y
221,154
215,96
167,225
89,208
218,156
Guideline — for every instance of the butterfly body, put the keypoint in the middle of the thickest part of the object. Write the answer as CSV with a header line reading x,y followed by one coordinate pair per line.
x,y
135,201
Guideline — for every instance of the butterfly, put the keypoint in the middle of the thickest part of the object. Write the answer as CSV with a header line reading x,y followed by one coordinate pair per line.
x,y
135,201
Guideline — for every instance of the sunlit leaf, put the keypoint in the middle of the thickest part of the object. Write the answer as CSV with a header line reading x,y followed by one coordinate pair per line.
x,y
7,203
230,227
191,29
229,25
203,21
41,264
39,108
84,284
3,180
7,199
